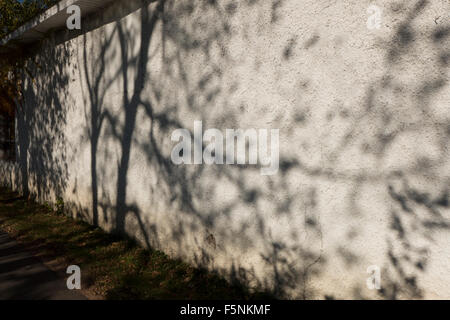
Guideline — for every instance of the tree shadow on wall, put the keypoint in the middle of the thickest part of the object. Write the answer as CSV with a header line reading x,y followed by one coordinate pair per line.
x,y
418,191
41,120
172,32
182,184
144,90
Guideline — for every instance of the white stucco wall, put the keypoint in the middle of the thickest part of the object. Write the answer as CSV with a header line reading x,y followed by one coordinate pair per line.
x,y
364,126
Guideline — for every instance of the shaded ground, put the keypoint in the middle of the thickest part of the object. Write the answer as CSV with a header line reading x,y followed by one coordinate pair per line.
x,y
111,267
23,276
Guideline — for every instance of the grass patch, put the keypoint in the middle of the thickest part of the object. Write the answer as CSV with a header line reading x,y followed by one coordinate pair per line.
x,y
112,267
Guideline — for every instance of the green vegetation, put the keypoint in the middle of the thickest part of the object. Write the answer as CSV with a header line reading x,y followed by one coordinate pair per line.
x,y
112,267
13,14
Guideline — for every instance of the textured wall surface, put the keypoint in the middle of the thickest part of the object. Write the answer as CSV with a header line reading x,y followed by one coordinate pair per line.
x,y
364,124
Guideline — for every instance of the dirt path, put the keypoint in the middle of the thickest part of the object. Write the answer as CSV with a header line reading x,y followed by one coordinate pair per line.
x,y
24,277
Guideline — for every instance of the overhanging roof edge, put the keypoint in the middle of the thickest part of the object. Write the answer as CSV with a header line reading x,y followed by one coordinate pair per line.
x,y
52,18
